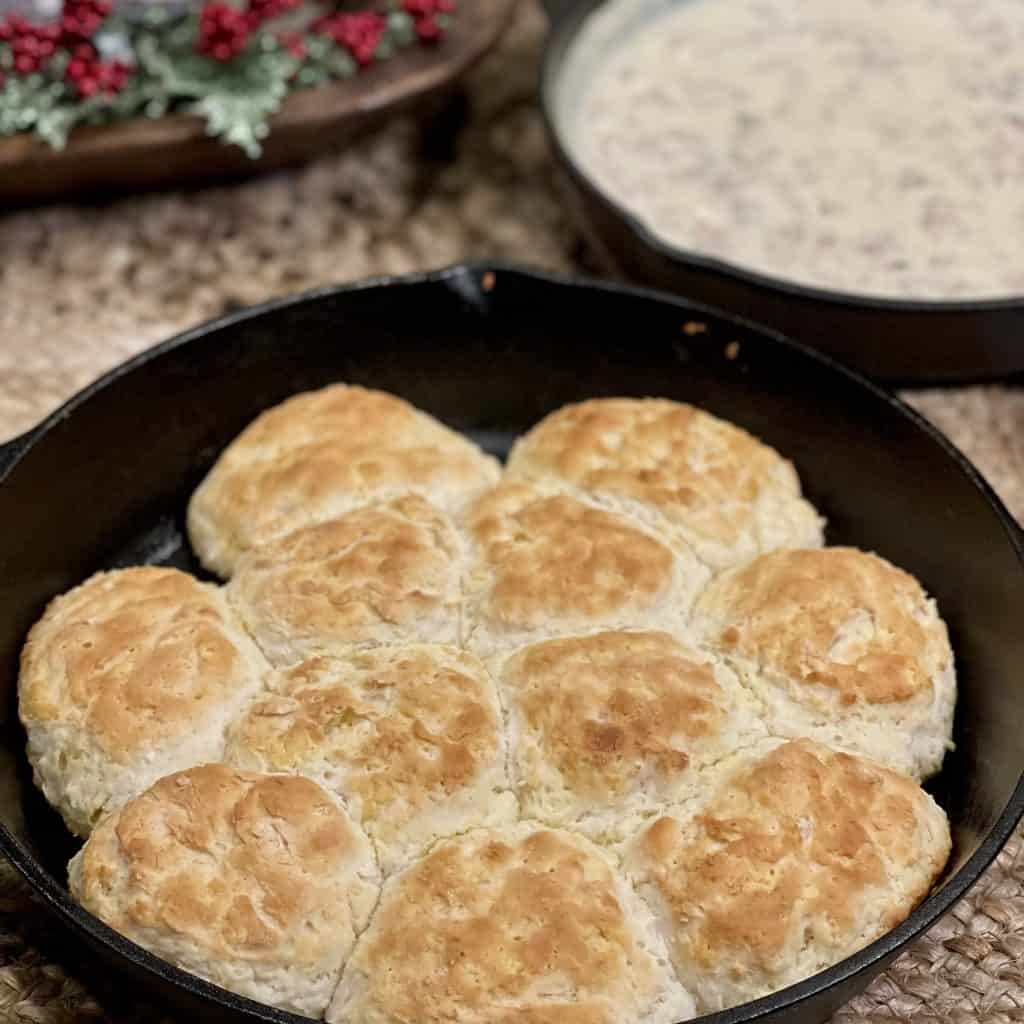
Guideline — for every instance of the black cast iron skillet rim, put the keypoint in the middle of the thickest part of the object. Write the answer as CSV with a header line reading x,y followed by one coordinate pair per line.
x,y
465,279
559,11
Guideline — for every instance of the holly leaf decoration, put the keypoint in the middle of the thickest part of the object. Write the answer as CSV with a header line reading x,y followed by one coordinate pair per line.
x,y
240,118
239,109
37,104
235,98
232,63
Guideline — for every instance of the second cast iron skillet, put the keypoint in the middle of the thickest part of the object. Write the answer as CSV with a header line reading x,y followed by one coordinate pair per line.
x,y
890,339
104,482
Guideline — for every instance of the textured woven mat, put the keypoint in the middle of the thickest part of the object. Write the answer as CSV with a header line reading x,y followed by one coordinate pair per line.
x,y
82,288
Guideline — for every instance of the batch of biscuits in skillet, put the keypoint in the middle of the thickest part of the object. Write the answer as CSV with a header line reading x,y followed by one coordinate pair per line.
x,y
603,735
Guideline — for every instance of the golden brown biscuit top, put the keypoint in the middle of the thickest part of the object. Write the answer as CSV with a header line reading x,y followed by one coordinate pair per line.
x,y
390,563
833,617
555,557
696,469
295,458
133,657
493,926
803,837
349,412
235,863
407,725
608,707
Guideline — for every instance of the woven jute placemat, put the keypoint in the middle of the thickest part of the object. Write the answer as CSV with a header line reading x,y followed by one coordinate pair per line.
x,y
82,288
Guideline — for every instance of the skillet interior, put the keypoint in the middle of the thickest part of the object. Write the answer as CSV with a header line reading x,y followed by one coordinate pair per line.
x,y
490,350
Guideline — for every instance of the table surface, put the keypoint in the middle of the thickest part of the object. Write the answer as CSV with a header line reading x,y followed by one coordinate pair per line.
x,y
85,287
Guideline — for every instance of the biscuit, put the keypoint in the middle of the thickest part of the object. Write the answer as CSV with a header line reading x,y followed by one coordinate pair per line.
x,y
608,727
690,474
544,564
130,676
840,646
258,883
383,574
410,738
321,454
509,925
799,857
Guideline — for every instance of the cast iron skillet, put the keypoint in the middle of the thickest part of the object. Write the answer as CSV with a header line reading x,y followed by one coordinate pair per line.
x,y
889,339
104,482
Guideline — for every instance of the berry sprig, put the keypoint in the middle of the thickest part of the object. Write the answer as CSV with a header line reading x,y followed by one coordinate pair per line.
x,y
31,45
81,19
89,76
223,31
232,62
359,33
425,14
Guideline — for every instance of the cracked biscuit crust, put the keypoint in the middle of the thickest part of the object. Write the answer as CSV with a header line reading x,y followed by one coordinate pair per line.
x,y
259,883
608,726
799,857
131,675
410,738
694,476
546,563
841,646
384,574
498,926
322,454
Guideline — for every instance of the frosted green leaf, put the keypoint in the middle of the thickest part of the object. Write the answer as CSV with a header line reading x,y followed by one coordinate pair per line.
x,y
340,65
237,118
401,28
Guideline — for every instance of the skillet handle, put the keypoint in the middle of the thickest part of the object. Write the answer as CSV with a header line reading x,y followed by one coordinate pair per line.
x,y
558,9
10,451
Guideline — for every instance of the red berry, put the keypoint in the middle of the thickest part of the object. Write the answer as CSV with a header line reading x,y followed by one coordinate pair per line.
x,y
359,33
223,31
424,14
89,75
428,29
111,75
79,22
31,45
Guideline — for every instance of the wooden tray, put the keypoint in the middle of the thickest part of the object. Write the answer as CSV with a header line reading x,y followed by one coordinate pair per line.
x,y
142,154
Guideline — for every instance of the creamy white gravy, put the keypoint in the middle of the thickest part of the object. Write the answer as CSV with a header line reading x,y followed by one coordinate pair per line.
x,y
870,146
